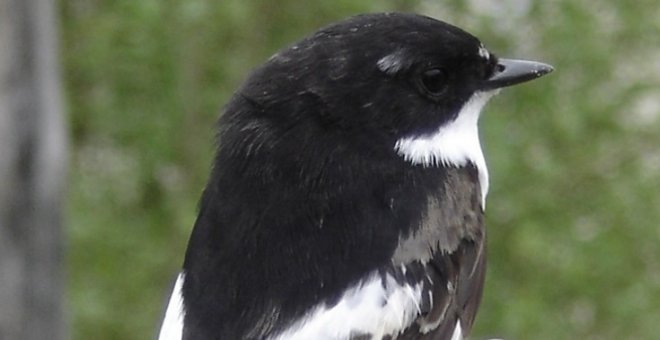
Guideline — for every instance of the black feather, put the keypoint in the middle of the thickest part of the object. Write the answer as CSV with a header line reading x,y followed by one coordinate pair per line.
x,y
307,193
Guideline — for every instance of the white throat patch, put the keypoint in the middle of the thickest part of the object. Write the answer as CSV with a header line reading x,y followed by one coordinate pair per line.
x,y
454,144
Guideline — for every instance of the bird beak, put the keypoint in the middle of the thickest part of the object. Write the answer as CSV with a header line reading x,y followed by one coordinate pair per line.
x,y
511,72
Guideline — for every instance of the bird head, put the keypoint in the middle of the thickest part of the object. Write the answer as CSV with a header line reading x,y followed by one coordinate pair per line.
x,y
387,78
368,93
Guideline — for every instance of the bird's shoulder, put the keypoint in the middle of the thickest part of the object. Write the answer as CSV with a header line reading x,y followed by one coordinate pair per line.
x,y
430,285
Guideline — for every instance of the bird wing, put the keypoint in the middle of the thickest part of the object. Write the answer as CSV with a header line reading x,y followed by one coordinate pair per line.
x,y
447,255
432,286
451,292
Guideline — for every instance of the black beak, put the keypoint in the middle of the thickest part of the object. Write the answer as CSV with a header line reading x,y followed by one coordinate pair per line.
x,y
511,72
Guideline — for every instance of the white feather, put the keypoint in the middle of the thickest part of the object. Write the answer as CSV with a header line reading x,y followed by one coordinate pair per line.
x,y
483,52
392,63
172,328
453,144
458,332
366,308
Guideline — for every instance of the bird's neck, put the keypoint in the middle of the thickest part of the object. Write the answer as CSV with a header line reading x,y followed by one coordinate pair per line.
x,y
453,144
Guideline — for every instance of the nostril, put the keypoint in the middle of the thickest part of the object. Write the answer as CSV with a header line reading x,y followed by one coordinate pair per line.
x,y
496,70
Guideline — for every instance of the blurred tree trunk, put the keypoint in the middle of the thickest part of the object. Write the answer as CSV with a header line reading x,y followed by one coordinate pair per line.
x,y
32,172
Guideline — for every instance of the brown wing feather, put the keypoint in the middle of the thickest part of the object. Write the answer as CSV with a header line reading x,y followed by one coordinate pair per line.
x,y
455,262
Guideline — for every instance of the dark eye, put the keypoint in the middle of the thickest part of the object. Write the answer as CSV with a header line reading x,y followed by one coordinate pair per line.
x,y
433,81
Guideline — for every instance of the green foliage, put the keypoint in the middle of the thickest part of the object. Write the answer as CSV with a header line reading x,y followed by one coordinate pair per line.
x,y
574,157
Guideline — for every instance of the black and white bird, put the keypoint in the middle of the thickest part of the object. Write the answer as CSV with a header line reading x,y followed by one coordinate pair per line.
x,y
347,195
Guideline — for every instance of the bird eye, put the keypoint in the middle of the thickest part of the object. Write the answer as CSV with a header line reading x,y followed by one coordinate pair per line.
x,y
433,81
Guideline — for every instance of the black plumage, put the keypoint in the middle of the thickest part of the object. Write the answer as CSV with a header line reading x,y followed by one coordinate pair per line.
x,y
309,195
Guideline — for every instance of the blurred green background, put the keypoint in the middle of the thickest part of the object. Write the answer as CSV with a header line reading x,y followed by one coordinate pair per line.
x,y
574,157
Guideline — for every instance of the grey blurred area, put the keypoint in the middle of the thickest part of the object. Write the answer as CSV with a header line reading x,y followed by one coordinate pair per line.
x,y
33,162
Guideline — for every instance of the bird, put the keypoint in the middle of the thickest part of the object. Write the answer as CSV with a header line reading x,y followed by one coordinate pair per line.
x,y
347,194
